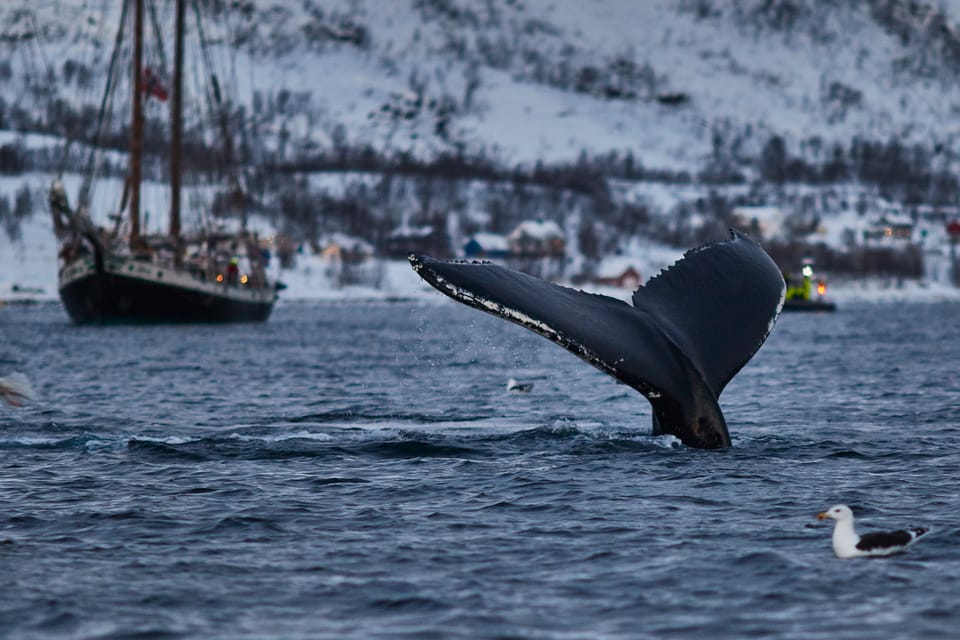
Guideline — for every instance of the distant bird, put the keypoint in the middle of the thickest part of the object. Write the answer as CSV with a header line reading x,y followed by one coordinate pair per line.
x,y
513,385
15,389
847,544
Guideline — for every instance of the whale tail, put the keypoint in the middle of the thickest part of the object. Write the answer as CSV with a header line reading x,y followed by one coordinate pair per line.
x,y
689,331
15,389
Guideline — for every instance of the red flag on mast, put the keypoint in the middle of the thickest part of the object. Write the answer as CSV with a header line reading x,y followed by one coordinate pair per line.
x,y
152,86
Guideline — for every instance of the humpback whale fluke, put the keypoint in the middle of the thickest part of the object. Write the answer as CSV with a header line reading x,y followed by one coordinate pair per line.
x,y
690,329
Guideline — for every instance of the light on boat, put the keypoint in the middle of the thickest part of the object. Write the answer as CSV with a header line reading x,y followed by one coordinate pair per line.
x,y
219,277
807,271
821,288
243,279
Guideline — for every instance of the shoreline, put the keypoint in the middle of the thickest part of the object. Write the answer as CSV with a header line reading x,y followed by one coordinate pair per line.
x,y
851,292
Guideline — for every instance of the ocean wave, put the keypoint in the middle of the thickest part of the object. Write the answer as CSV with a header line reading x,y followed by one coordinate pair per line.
x,y
453,440
50,442
283,437
365,415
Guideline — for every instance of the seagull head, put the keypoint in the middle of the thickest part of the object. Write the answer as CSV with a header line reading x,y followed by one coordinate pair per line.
x,y
838,512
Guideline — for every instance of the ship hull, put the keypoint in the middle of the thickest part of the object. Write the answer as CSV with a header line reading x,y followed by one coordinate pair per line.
x,y
129,291
809,305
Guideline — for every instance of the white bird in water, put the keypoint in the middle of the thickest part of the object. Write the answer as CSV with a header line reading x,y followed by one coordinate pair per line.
x,y
513,385
15,389
847,544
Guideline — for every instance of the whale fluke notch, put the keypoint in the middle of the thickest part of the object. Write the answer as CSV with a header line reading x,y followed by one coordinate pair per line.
x,y
690,329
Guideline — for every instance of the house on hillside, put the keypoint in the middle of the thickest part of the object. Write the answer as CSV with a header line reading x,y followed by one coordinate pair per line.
x,y
953,230
537,247
618,271
406,239
890,228
486,245
537,239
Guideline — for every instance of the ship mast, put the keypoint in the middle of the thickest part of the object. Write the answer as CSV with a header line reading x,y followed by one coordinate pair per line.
x,y
176,130
136,128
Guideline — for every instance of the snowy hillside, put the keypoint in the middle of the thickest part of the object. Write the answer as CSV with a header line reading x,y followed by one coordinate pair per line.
x,y
637,126
528,80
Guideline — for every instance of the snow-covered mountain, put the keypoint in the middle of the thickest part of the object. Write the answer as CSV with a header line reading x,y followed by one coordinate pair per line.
x,y
669,81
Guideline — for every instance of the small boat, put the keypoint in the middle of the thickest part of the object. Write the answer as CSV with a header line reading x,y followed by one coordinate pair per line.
x,y
800,291
121,275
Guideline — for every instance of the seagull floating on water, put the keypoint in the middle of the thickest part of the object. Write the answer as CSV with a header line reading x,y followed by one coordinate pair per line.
x,y
847,544
15,389
513,385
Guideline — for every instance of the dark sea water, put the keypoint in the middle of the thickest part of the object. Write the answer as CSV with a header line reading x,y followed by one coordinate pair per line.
x,y
359,470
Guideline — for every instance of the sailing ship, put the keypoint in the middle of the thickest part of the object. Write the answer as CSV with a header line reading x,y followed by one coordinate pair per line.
x,y
122,275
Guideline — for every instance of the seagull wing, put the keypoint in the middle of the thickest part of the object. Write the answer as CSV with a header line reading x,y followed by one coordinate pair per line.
x,y
889,539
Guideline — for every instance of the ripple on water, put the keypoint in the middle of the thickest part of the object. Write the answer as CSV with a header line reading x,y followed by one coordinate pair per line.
x,y
363,473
